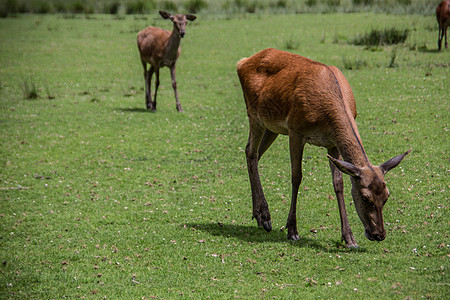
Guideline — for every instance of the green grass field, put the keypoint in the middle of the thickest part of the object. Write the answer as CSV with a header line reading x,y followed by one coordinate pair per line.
x,y
101,199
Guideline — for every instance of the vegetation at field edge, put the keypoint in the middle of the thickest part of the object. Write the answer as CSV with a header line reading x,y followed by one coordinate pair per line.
x,y
214,7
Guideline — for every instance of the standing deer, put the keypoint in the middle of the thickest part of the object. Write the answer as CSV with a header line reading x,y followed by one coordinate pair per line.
x,y
311,103
443,18
161,48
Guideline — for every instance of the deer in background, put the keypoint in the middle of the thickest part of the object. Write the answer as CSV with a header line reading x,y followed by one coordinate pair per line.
x,y
311,103
161,48
443,18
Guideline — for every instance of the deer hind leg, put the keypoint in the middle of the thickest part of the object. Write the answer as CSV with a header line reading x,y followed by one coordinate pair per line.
x,y
174,86
440,36
445,32
260,207
338,184
147,86
296,145
155,70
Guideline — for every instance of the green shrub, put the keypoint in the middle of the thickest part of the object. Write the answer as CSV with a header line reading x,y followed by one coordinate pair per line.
x,y
353,64
333,3
135,7
246,5
30,89
390,36
362,2
112,7
77,7
41,7
392,63
168,5
404,2
8,7
60,6
140,6
280,4
291,44
194,6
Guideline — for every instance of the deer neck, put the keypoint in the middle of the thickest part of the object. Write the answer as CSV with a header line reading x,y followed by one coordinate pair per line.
x,y
173,43
349,143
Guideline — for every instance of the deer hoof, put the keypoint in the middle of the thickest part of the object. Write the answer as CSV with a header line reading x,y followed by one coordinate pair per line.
x,y
294,237
352,246
267,225
263,219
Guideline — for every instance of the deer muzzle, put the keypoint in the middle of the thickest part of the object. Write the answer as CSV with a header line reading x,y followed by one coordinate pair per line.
x,y
375,236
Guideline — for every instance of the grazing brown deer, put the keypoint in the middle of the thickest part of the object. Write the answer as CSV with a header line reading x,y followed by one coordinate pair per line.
x,y
161,48
443,18
311,103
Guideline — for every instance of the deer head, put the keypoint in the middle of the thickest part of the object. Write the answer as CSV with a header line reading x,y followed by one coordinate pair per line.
x,y
370,193
179,21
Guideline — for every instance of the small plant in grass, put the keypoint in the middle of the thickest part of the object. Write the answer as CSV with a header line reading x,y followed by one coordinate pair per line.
x,y
291,44
353,64
30,89
322,39
50,96
392,63
335,38
389,36
429,69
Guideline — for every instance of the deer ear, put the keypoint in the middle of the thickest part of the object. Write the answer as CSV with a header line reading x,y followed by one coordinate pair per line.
x,y
345,167
165,14
393,162
191,17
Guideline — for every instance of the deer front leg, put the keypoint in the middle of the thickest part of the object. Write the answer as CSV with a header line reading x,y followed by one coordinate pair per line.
x,y
338,184
260,206
446,44
174,86
296,145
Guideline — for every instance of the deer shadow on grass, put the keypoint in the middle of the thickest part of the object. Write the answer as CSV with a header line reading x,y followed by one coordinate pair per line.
x,y
426,50
133,109
253,234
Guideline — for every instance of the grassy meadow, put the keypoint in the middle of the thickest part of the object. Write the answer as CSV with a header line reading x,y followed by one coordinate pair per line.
x,y
100,198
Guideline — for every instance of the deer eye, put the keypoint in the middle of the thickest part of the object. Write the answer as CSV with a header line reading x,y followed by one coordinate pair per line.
x,y
365,198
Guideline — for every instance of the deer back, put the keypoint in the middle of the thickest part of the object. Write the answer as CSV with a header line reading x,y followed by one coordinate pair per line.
x,y
285,91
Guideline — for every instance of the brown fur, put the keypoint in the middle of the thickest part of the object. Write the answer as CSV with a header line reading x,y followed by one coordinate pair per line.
x,y
161,48
311,103
443,18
